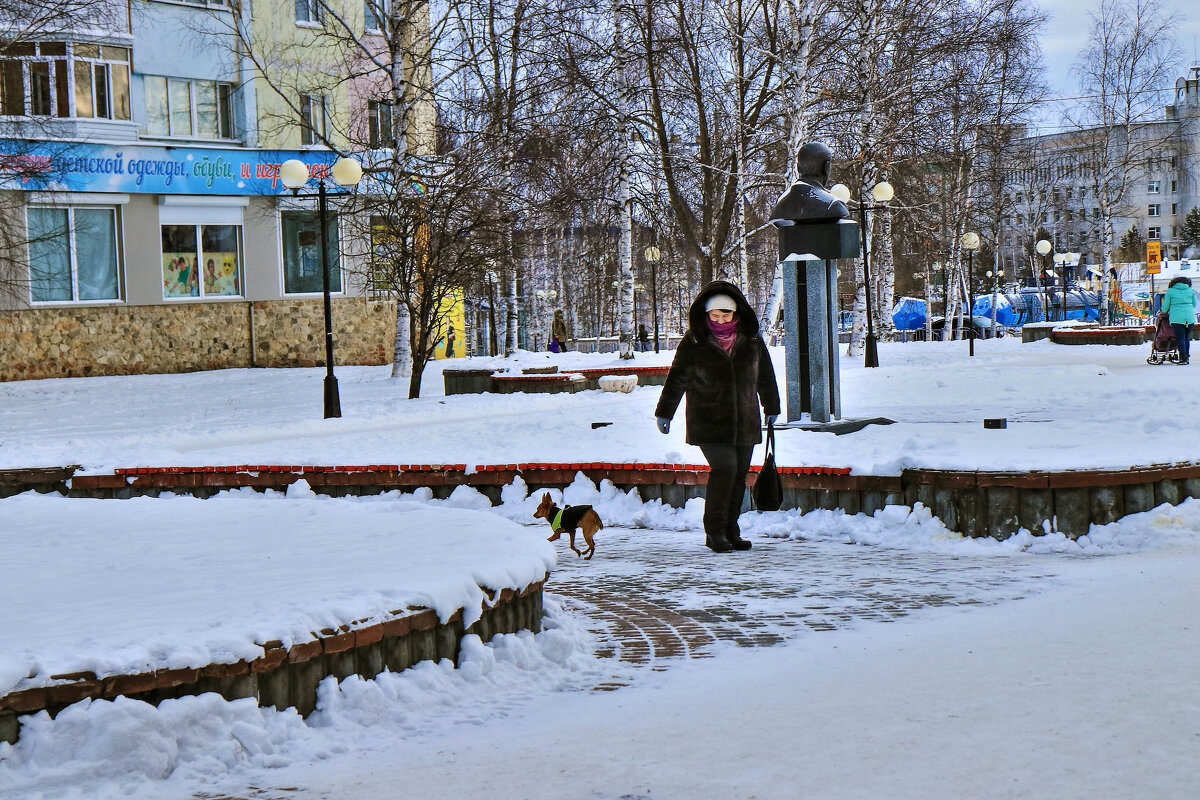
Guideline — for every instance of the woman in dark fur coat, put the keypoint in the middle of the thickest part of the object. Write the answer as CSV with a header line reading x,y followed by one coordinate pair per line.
x,y
723,369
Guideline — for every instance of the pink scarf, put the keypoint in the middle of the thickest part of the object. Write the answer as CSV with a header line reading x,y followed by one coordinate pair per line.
x,y
724,332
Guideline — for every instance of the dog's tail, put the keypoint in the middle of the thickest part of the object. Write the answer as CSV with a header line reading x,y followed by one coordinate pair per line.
x,y
592,516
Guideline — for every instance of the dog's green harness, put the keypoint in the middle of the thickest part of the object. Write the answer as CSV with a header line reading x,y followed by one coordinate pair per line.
x,y
556,523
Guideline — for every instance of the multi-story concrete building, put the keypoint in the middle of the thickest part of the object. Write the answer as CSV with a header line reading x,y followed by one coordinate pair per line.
x,y
139,161
1055,191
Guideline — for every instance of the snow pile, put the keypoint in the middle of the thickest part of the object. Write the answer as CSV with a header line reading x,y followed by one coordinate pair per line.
x,y
900,527
125,586
130,749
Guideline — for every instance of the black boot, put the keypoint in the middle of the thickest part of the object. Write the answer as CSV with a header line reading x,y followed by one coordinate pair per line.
x,y
717,544
738,543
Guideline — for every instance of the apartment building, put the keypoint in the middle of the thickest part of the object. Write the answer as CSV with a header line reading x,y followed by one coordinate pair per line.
x,y
1054,192
139,168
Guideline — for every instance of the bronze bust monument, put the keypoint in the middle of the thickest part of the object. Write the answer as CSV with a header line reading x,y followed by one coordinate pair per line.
x,y
808,200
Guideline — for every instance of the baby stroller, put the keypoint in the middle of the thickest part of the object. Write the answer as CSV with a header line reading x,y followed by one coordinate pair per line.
x,y
1164,348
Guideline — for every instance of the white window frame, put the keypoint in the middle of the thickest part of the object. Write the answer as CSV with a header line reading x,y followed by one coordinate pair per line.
x,y
224,112
1153,232
383,7
70,204
314,15
74,57
1154,210
1153,187
200,211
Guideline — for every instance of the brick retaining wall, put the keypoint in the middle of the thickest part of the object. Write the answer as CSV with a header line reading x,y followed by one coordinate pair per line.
x,y
286,677
79,341
976,503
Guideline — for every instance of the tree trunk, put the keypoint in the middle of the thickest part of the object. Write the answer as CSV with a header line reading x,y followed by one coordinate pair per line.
x,y
402,357
887,276
624,194
795,57
510,315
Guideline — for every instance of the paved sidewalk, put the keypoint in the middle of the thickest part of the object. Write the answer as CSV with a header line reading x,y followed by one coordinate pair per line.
x,y
654,595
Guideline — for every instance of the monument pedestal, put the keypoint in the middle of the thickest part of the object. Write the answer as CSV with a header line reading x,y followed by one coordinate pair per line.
x,y
809,252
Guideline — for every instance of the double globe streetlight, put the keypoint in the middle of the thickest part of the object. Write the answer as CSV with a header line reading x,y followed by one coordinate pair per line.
x,y
346,172
882,193
1043,248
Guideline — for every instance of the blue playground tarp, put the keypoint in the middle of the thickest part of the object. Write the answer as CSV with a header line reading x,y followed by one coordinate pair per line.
x,y
908,314
1005,313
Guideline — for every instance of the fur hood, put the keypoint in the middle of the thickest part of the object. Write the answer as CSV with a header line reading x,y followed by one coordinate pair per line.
x,y
747,320
724,390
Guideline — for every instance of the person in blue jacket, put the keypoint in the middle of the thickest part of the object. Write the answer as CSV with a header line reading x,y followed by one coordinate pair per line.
x,y
1179,304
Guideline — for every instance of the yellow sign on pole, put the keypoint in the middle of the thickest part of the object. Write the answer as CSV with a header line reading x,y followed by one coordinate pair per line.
x,y
1153,258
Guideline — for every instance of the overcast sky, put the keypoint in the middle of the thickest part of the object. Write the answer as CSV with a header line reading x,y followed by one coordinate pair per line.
x,y
1067,31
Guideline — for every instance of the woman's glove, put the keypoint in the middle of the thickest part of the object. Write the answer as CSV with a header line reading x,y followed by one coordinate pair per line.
x,y
664,424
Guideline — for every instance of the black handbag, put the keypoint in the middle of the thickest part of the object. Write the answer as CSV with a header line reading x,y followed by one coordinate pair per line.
x,y
768,487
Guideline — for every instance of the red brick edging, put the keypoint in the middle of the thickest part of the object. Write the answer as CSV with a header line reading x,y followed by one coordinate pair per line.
x,y
288,676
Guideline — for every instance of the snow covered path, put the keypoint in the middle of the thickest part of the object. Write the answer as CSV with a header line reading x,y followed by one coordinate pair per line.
x,y
1052,697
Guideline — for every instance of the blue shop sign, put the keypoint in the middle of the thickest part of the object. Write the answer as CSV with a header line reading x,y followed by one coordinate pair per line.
x,y
137,169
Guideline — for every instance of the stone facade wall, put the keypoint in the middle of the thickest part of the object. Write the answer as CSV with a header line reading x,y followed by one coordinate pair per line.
x,y
124,340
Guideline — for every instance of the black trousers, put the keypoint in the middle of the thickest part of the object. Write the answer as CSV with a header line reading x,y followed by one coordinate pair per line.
x,y
728,465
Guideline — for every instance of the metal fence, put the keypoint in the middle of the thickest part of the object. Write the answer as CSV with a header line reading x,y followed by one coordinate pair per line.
x,y
611,344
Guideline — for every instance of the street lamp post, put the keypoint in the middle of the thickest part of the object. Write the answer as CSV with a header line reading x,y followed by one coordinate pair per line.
x,y
347,172
970,243
1043,247
653,255
881,193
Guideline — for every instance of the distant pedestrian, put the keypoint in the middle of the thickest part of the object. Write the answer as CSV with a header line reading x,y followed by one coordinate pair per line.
x,y
723,368
643,338
559,331
1179,304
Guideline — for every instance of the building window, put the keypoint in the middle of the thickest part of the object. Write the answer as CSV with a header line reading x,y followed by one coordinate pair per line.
x,y
179,107
101,81
302,253
73,254
1154,233
201,260
36,80
1174,186
375,13
1152,187
312,119
308,11
379,124
1174,209
1153,210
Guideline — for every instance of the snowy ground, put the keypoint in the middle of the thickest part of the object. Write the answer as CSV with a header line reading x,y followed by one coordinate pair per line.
x,y
851,657
1083,406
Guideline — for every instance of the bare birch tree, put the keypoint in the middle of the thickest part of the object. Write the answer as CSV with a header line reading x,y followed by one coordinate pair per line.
x,y
1129,59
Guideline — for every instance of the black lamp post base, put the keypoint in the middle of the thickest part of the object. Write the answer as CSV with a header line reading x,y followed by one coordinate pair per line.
x,y
871,353
333,403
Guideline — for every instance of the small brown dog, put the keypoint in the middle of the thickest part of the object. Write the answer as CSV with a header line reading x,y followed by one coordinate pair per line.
x,y
569,519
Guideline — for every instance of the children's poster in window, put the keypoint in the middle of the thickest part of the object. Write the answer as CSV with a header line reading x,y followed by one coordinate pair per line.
x,y
219,246
180,265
